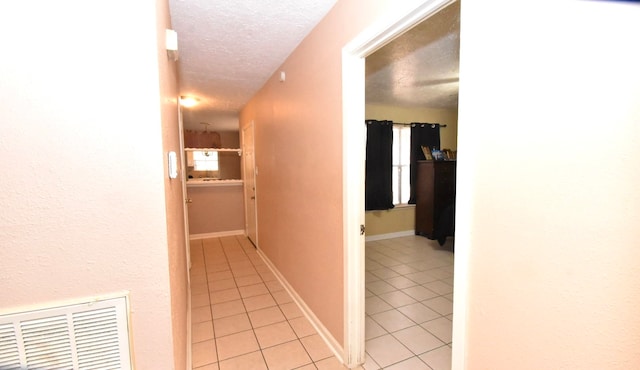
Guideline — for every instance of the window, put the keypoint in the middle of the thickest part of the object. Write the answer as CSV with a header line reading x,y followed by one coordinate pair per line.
x,y
400,164
205,161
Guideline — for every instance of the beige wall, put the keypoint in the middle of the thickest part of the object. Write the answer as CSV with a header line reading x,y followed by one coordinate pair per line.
x,y
80,107
449,117
215,209
548,202
394,220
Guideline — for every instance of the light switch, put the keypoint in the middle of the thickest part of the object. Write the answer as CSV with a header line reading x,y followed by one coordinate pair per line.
x,y
173,165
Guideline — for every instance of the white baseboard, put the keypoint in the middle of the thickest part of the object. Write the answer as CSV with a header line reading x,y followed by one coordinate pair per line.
x,y
189,332
398,234
313,319
216,234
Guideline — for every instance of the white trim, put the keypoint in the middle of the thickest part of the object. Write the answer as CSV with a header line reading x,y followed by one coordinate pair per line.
x,y
189,332
324,333
398,234
403,18
399,207
214,150
184,195
66,302
353,149
247,201
63,338
218,234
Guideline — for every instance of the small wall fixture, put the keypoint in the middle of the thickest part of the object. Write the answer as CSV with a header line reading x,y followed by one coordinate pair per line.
x,y
188,101
171,43
173,165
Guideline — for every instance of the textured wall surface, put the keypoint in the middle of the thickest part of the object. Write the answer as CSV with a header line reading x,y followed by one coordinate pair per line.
x,y
83,195
228,50
174,194
548,201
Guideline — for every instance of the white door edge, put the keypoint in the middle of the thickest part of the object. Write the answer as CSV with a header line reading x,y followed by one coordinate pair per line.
x,y
247,202
183,180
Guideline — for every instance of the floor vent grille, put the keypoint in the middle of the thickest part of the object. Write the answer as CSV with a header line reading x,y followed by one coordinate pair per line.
x,y
82,336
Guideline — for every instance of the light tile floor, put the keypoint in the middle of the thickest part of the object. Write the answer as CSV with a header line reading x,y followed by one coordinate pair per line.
x,y
409,304
242,318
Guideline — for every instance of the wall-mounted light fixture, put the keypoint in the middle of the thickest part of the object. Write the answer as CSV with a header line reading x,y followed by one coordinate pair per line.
x,y
171,41
188,101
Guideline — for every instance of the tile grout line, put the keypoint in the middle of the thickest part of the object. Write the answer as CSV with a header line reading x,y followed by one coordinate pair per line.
x,y
286,319
394,257
381,267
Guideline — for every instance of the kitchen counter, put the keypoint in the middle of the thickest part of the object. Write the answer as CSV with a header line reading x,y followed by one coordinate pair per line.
x,y
216,206
213,182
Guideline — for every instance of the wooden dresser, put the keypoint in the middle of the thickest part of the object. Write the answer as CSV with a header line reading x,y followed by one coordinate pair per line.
x,y
435,191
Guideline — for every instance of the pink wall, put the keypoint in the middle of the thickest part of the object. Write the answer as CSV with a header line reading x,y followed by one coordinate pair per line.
x,y
548,176
174,195
298,135
83,192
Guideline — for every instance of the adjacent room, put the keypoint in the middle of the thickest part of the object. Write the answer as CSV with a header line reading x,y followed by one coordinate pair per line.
x,y
412,121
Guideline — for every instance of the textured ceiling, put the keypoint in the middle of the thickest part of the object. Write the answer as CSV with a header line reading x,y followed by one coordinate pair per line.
x,y
419,68
228,50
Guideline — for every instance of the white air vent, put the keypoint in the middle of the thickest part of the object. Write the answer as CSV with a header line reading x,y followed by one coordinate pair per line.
x,y
83,336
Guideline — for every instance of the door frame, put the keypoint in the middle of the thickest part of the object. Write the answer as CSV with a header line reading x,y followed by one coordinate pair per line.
x,y
185,216
353,147
183,181
247,202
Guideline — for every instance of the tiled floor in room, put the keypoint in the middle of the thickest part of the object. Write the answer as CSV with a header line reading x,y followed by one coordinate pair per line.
x,y
409,304
243,318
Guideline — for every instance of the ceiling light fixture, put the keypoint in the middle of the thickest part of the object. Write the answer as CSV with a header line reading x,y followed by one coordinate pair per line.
x,y
188,101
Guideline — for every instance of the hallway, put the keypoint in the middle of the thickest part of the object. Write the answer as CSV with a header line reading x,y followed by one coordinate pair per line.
x,y
243,318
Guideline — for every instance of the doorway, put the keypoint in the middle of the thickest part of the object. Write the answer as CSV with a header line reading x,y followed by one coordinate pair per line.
x,y
183,181
249,176
354,135
408,269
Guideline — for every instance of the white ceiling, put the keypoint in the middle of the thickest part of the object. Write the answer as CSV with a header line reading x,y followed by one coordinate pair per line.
x,y
228,50
419,68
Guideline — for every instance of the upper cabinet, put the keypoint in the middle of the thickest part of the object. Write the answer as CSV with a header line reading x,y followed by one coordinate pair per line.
x,y
206,159
201,139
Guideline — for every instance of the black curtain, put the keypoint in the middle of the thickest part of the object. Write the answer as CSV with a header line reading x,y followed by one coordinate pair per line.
x,y
377,188
422,134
